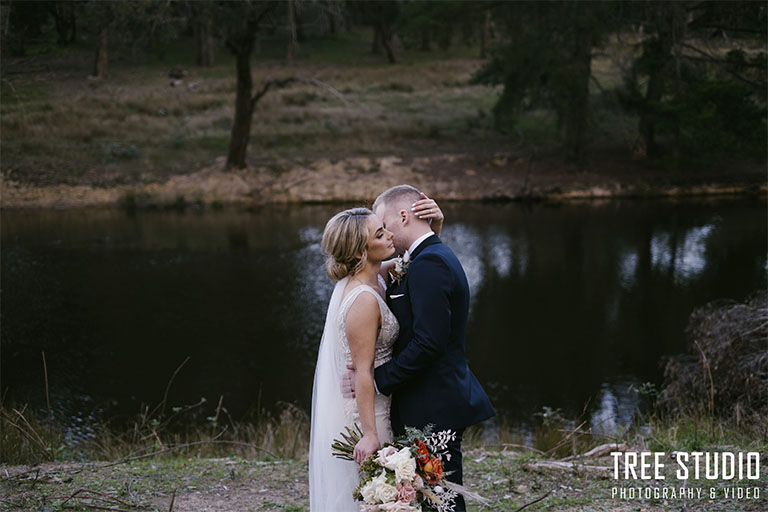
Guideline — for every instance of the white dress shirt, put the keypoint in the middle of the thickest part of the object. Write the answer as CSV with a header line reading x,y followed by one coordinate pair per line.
x,y
416,242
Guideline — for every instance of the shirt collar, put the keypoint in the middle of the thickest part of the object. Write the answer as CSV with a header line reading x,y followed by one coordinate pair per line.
x,y
418,241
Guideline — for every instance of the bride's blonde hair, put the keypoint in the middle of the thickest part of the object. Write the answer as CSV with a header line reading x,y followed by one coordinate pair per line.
x,y
346,238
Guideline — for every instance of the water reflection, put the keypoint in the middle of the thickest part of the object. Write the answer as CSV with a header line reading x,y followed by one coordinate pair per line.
x,y
571,304
617,404
685,259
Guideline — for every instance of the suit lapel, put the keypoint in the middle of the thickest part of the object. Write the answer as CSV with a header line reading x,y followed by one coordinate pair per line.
x,y
434,239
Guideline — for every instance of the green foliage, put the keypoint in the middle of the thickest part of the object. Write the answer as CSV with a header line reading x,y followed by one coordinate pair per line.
x,y
716,116
696,91
545,61
422,23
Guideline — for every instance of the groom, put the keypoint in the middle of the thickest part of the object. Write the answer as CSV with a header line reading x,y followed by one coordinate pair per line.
x,y
428,376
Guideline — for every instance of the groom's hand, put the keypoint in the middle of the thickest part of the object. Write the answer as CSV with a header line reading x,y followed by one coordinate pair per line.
x,y
348,383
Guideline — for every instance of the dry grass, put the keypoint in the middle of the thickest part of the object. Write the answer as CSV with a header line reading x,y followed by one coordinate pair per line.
x,y
29,438
725,372
62,130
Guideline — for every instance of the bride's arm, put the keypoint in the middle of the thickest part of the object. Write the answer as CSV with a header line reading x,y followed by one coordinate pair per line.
x,y
362,326
426,208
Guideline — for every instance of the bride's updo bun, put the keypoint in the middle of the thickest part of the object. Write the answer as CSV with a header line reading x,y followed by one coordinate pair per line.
x,y
346,238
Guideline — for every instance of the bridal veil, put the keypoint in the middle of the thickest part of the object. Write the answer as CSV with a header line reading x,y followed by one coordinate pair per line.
x,y
331,480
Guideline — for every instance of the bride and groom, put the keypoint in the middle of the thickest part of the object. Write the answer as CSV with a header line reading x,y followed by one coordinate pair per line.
x,y
393,351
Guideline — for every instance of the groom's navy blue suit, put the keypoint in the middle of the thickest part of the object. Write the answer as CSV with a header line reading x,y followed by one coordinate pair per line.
x,y
428,376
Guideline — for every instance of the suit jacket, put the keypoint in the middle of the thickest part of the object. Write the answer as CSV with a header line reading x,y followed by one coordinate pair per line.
x,y
428,376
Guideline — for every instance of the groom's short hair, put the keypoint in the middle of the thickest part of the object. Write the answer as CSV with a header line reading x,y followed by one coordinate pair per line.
x,y
395,195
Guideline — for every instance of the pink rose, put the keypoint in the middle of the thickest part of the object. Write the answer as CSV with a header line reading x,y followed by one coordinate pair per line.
x,y
405,492
418,483
385,453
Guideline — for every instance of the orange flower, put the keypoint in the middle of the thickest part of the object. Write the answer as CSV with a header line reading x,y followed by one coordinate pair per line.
x,y
422,453
433,470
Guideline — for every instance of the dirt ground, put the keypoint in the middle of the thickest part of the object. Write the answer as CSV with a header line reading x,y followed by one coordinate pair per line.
x,y
508,480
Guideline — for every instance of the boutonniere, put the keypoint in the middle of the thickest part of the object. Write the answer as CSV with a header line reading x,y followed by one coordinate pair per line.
x,y
401,267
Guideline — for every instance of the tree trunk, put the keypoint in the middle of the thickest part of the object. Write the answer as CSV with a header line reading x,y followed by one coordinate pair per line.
x,y
205,43
100,65
241,127
64,17
484,29
291,25
376,46
73,24
577,112
386,41
647,123
425,41
331,23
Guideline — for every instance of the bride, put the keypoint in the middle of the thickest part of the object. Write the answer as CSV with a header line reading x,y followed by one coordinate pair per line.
x,y
359,330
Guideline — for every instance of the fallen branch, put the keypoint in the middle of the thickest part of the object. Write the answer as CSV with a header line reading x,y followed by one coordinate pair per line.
x,y
534,501
104,497
187,445
99,507
564,466
285,81
599,451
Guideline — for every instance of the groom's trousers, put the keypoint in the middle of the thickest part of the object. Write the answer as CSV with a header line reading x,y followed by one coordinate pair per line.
x,y
454,467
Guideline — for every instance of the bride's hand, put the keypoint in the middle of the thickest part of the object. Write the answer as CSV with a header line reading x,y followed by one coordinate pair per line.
x,y
365,447
426,208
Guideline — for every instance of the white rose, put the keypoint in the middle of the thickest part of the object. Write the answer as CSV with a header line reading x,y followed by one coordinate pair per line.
x,y
385,453
368,493
403,464
386,493
383,492
399,506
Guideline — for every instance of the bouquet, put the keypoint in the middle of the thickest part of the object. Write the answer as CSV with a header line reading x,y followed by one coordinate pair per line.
x,y
406,475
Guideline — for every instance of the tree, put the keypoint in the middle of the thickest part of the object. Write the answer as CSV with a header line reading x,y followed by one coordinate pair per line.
x,y
241,21
421,23
64,16
199,15
695,81
139,21
23,20
382,16
546,61
290,8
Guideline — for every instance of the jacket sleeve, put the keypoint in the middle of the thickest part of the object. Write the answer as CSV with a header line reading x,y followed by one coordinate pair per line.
x,y
429,286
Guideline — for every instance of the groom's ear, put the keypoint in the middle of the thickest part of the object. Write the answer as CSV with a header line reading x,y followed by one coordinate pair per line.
x,y
403,216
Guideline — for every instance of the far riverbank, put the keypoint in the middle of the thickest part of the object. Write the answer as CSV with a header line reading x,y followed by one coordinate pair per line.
x,y
453,177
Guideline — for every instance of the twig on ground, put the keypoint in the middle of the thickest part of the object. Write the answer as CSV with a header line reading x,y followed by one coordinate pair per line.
x,y
187,445
173,499
599,451
534,501
104,497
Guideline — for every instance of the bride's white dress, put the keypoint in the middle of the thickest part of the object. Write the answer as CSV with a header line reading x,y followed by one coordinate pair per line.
x,y
331,480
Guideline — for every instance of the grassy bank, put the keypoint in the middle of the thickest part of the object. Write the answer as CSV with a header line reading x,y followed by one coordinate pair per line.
x,y
134,128
262,466
210,477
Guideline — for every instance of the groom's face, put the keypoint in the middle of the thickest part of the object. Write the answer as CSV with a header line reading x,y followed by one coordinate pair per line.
x,y
392,221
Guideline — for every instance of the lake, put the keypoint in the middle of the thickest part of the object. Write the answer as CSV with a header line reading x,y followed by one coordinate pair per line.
x,y
573,305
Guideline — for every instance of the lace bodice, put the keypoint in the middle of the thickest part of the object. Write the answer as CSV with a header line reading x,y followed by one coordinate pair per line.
x,y
383,353
389,326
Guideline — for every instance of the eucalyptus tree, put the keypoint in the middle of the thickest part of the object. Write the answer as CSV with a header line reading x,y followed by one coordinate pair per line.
x,y
544,59
239,23
699,80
